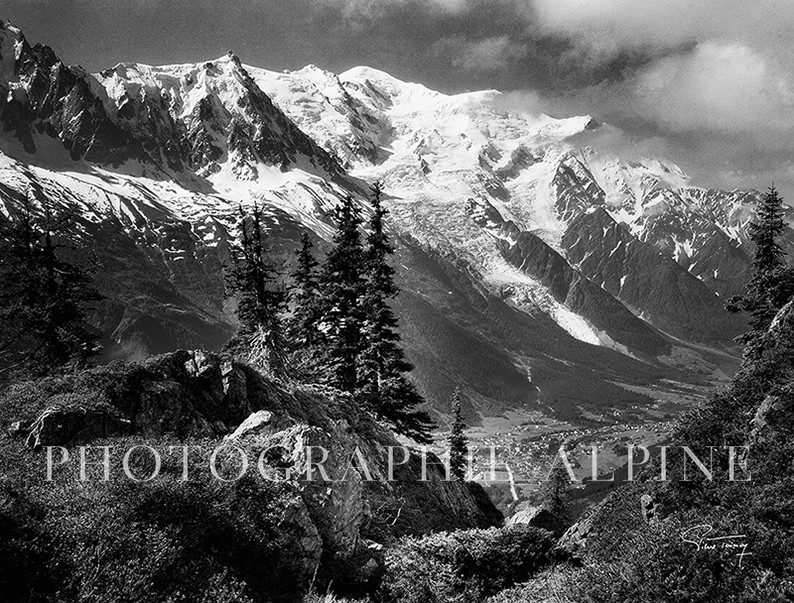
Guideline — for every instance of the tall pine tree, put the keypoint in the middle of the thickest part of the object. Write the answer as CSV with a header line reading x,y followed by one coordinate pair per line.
x,y
772,283
260,299
457,442
44,298
305,295
384,386
342,284
307,350
555,497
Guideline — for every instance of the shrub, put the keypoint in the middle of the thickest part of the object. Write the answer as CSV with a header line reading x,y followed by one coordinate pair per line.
x,y
467,565
656,565
165,540
24,548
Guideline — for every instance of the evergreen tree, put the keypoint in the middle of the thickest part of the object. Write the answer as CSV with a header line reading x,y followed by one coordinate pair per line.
x,y
308,358
457,442
260,302
555,493
384,387
772,283
342,285
43,297
305,295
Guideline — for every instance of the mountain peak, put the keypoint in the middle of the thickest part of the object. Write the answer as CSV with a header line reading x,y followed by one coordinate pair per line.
x,y
312,68
385,83
12,42
9,30
365,72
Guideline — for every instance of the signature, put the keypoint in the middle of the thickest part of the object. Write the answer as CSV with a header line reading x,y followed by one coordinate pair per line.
x,y
699,536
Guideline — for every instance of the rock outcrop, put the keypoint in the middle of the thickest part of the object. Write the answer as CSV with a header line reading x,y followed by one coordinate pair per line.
x,y
540,517
648,508
256,424
611,525
574,542
42,95
57,425
332,455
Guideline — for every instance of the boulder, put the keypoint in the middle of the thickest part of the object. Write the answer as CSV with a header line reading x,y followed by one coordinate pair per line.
x,y
300,537
648,508
540,517
762,423
257,423
573,542
336,504
56,426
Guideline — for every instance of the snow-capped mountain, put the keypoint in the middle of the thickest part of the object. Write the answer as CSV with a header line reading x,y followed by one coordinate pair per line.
x,y
212,119
533,271
442,156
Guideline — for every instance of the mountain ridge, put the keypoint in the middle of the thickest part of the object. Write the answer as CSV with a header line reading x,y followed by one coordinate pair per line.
x,y
470,189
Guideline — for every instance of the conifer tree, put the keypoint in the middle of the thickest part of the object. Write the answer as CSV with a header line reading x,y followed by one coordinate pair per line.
x,y
556,493
307,344
457,442
261,299
772,283
384,386
305,296
43,297
342,284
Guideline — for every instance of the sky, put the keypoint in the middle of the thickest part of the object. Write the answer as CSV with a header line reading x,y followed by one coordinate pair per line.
x,y
707,84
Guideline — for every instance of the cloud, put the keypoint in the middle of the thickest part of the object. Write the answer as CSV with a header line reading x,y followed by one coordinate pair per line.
x,y
616,24
723,112
721,87
372,9
528,102
718,65
715,92
489,54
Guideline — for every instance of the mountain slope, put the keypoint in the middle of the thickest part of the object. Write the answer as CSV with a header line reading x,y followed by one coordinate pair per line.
x,y
503,293
441,152
211,119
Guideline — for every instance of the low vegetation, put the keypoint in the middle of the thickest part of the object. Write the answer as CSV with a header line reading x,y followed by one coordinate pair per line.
x,y
466,565
141,542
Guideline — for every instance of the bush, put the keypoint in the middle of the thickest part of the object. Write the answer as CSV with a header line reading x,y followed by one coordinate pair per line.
x,y
665,569
24,548
198,541
467,565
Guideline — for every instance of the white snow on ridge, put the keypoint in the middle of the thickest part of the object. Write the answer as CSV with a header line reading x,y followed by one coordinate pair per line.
x,y
432,151
528,294
185,85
